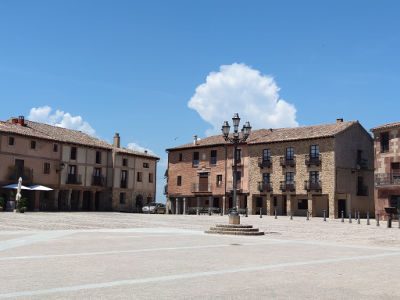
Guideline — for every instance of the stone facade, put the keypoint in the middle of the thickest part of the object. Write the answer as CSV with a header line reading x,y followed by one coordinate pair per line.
x,y
343,171
387,167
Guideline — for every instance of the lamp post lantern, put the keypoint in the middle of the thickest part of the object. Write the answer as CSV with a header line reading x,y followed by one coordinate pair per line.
x,y
236,138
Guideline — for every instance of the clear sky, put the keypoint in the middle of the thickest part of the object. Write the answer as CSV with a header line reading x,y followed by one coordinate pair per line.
x,y
133,66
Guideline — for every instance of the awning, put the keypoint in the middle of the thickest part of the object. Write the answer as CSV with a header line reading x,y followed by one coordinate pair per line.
x,y
14,186
39,187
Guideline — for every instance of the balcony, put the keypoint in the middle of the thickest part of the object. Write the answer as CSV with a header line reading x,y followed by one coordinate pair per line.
x,y
98,180
201,188
166,189
313,160
312,186
264,163
74,179
239,186
14,173
238,162
288,186
387,179
362,190
362,164
264,187
123,184
288,161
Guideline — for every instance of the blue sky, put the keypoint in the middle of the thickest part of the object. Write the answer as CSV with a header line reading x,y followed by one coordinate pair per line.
x,y
132,67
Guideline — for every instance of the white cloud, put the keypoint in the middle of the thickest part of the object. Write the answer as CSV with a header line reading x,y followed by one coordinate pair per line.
x,y
239,88
45,114
137,147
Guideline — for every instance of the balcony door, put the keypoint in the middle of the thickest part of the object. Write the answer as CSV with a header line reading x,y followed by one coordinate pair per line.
x,y
19,167
203,182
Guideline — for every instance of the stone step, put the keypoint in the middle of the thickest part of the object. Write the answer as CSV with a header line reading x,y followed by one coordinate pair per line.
x,y
227,232
234,229
233,226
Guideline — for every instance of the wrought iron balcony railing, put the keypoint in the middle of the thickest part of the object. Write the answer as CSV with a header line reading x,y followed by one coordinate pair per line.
x,y
74,179
14,173
264,187
201,188
288,161
124,184
98,180
383,179
362,190
288,186
362,163
264,163
313,160
312,185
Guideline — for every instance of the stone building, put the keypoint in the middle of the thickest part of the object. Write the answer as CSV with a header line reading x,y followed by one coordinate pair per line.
x,y
82,170
387,167
288,171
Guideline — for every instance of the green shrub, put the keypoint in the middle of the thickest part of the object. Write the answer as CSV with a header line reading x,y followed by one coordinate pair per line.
x,y
23,203
2,202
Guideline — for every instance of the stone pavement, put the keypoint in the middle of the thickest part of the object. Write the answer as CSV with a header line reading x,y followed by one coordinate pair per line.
x,y
132,256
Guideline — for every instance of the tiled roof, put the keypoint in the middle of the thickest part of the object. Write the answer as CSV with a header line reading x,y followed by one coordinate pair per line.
x,y
387,126
278,135
62,135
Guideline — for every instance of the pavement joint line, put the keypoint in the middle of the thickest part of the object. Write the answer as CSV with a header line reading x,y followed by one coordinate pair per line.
x,y
13,258
193,275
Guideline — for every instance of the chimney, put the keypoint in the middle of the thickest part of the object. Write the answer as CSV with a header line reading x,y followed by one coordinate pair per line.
x,y
19,121
117,140
195,140
340,120
14,120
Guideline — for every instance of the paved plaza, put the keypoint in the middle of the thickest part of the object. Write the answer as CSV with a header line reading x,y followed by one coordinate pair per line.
x,y
132,256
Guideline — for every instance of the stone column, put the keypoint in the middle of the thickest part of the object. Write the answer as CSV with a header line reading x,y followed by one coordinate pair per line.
x,y
249,205
270,204
288,204
80,201
310,204
332,204
69,193
184,206
348,204
56,195
223,205
176,206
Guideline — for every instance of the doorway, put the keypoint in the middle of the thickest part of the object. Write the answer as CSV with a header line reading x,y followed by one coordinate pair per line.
x,y
342,207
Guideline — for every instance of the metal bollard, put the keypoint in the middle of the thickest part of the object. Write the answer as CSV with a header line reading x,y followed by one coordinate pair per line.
x,y
350,217
209,211
308,215
291,216
368,223
260,213
276,216
377,219
358,218
247,214
197,212
324,215
342,216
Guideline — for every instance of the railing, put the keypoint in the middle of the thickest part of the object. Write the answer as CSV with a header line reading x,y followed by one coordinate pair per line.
x,y
238,185
238,162
123,184
74,179
288,161
362,190
288,186
201,188
98,180
264,187
312,185
387,179
264,163
14,173
313,160
362,163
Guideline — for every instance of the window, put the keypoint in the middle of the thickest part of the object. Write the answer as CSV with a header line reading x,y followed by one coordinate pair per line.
x,y
238,155
266,178
290,153
289,178
219,180
384,141
139,177
196,159
180,158
275,201
179,181
213,157
266,155
71,169
33,144
302,204
314,151
97,172
146,165
55,147
98,157
122,198
46,168
125,162
151,177
124,179
11,141
73,153
314,177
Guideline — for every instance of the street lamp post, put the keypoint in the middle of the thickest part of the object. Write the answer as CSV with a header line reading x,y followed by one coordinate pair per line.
x,y
236,138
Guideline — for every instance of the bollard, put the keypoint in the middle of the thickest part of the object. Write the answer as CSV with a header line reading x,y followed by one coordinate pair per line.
x,y
350,217
260,213
209,211
358,218
377,219
324,215
276,216
368,223
222,213
308,215
342,216
291,216
389,222
197,212
247,214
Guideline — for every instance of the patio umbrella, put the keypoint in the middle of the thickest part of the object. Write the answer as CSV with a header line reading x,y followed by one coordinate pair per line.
x,y
39,187
14,186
